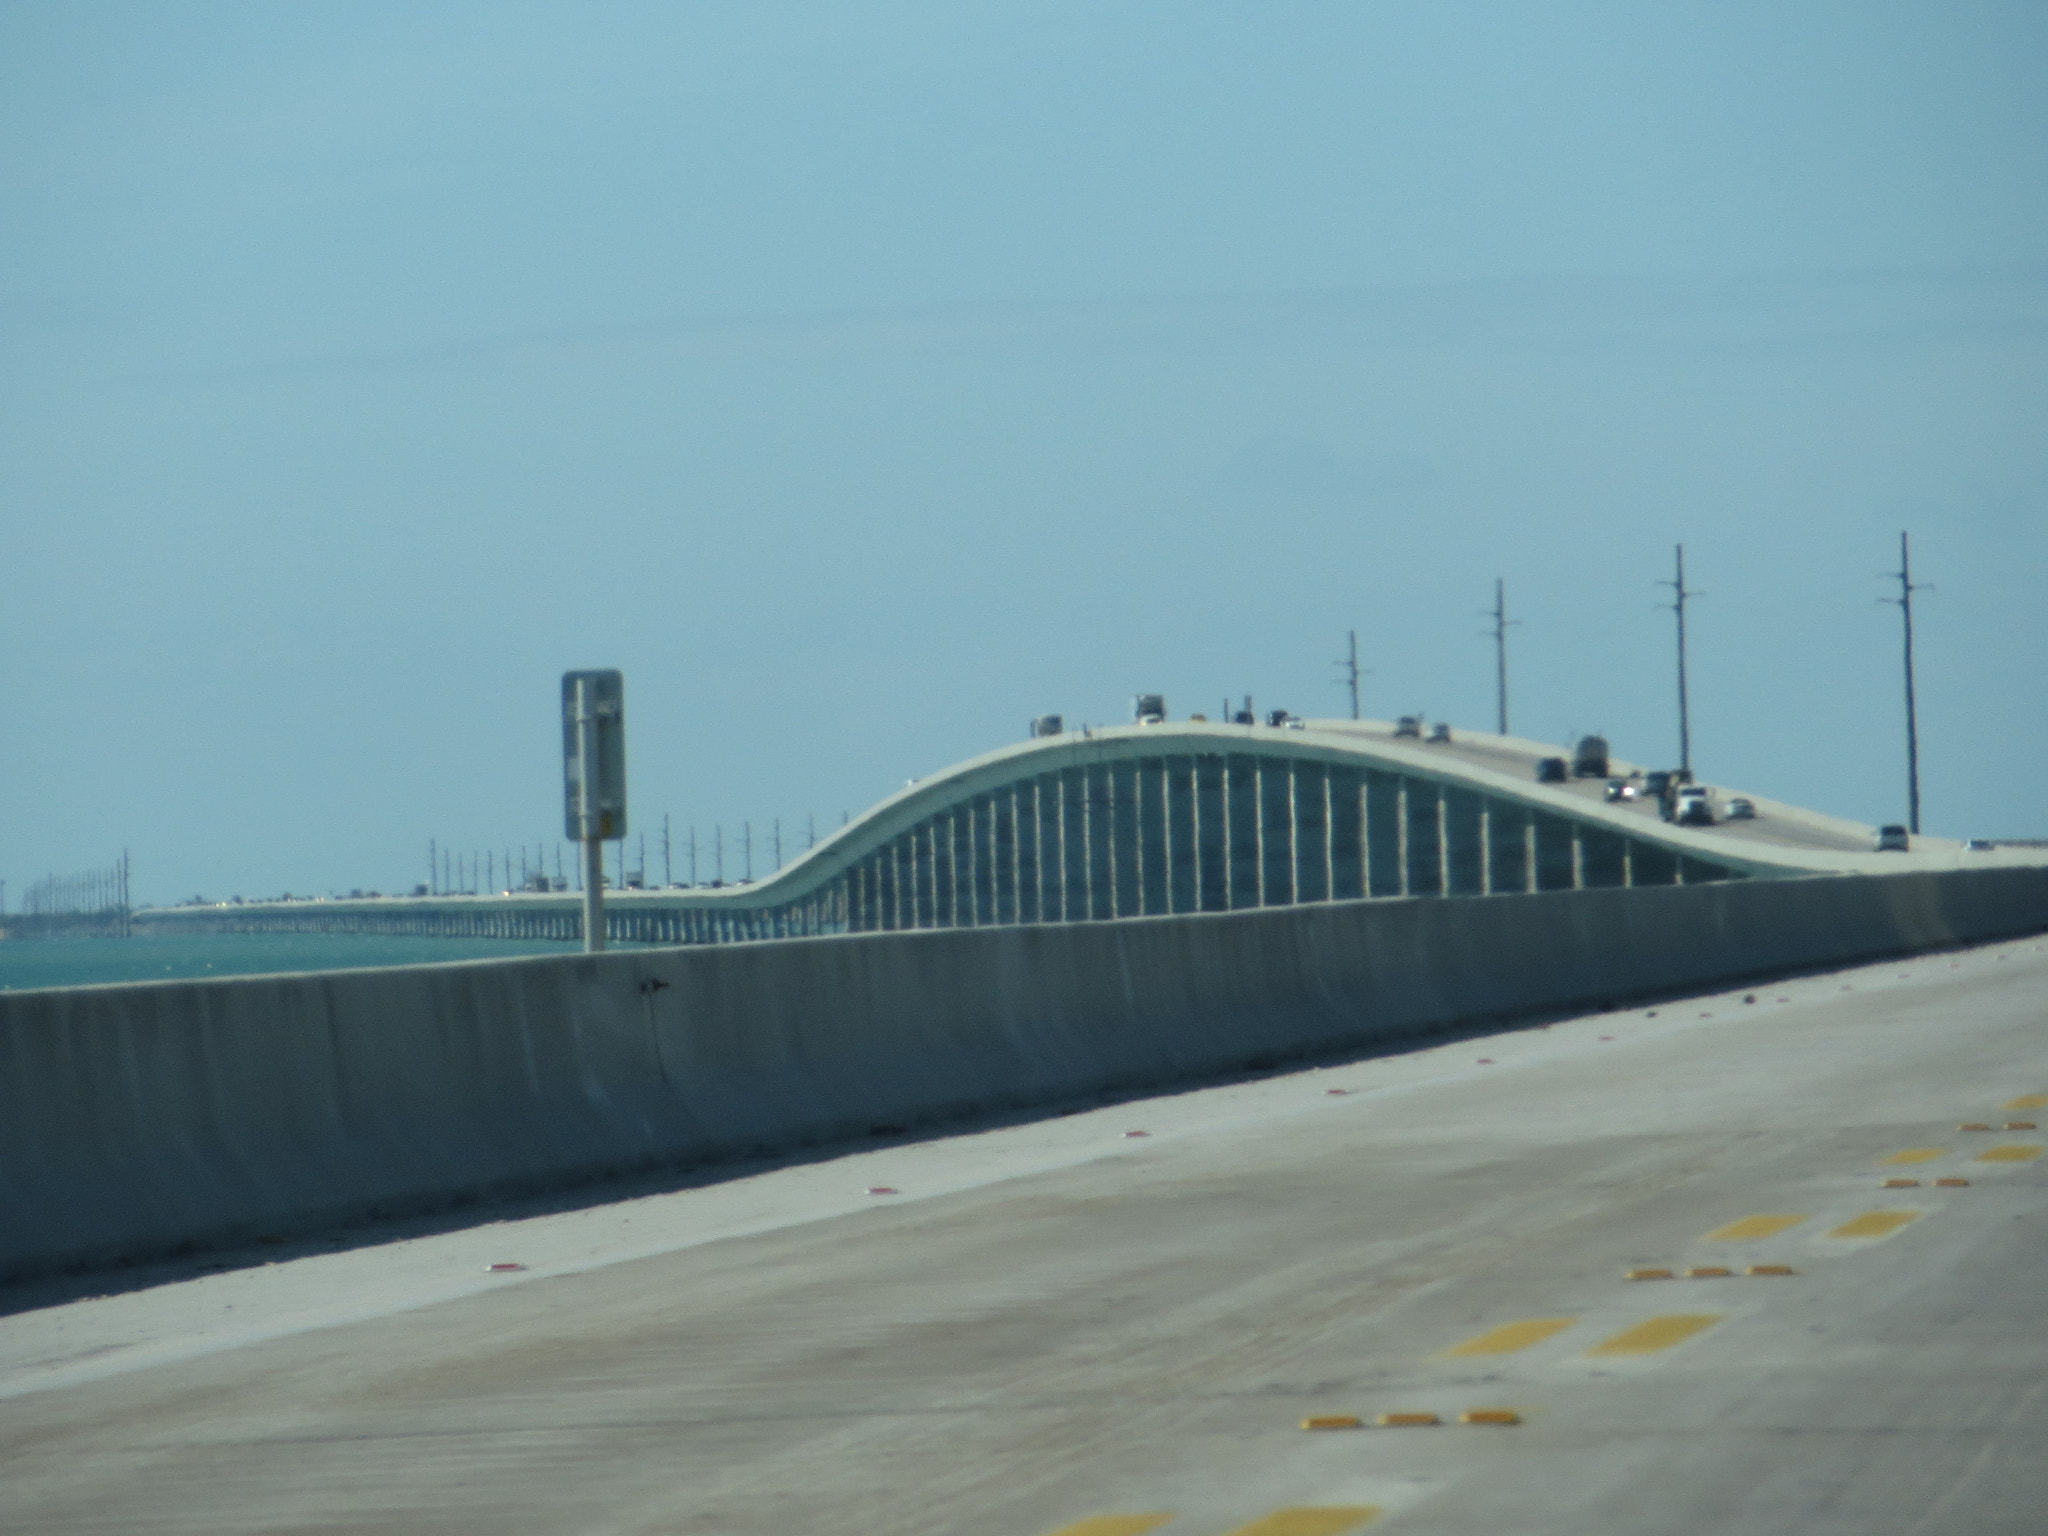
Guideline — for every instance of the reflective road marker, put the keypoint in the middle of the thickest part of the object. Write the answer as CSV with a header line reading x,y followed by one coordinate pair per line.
x,y
1329,1520
1751,1227
2012,1154
1114,1525
1874,1224
1509,1337
1917,1155
1653,1334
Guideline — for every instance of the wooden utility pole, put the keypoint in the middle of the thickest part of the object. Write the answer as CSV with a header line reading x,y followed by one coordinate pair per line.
x,y
1501,621
1350,665
1904,602
1679,596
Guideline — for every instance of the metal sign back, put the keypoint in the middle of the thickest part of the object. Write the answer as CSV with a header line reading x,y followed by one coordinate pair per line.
x,y
594,755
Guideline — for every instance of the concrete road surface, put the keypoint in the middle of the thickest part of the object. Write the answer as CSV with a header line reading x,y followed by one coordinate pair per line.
x,y
1065,1327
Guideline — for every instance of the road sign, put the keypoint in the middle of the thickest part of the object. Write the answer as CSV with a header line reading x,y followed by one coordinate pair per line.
x,y
594,755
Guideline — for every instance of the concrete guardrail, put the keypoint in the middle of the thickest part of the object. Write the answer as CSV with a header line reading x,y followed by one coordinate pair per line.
x,y
139,1120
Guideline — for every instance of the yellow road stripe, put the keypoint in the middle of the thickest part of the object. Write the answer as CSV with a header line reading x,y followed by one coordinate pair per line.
x,y
1113,1525
1656,1333
2028,1101
1509,1337
1753,1227
2012,1154
1917,1155
1329,1520
1874,1224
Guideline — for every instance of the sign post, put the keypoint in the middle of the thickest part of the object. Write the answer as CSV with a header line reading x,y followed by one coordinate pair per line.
x,y
594,780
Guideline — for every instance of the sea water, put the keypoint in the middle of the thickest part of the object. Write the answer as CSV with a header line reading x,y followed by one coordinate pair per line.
x,y
28,963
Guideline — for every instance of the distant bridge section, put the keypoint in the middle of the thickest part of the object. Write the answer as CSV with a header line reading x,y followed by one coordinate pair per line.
x,y
1169,819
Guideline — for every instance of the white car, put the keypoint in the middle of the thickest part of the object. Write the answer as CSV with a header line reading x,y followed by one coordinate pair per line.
x,y
1695,807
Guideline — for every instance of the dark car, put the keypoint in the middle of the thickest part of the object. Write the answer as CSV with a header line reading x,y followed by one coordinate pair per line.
x,y
1408,726
1892,839
1553,770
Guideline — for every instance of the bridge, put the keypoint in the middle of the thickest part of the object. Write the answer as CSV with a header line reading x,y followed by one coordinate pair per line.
x,y
1171,819
1670,1177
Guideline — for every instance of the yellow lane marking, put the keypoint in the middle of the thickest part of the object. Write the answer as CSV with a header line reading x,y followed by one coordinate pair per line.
x,y
1333,1421
1489,1416
1874,1224
1917,1155
2028,1101
1656,1333
1509,1337
1408,1420
1751,1227
1330,1520
2012,1154
1113,1525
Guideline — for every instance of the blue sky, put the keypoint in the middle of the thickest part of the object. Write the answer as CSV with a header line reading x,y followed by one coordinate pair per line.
x,y
865,379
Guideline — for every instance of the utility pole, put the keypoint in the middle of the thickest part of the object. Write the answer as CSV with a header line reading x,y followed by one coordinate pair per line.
x,y
747,843
811,822
778,842
718,854
433,869
693,856
1904,603
668,875
1501,625
1350,665
1679,595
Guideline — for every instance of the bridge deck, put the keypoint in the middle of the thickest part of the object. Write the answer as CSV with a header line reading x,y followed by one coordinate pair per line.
x,y
1052,1323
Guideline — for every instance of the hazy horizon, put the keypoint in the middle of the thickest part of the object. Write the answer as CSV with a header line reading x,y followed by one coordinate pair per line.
x,y
865,381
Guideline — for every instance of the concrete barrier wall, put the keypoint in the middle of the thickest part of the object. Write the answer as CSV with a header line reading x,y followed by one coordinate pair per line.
x,y
141,1119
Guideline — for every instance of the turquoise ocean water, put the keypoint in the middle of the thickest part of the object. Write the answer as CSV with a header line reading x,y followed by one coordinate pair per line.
x,y
28,963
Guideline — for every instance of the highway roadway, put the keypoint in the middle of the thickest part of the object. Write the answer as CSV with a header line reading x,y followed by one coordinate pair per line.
x,y
1117,1320
1777,825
